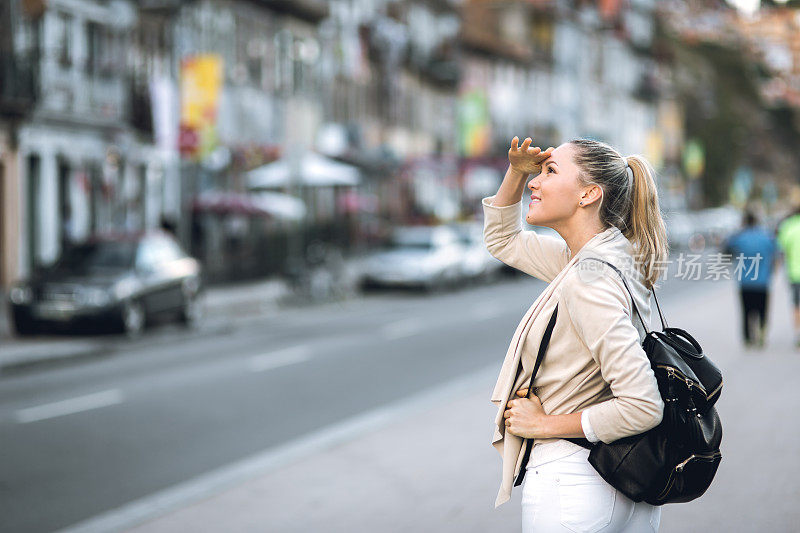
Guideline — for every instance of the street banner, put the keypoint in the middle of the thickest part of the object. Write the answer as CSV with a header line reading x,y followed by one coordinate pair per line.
x,y
474,128
201,82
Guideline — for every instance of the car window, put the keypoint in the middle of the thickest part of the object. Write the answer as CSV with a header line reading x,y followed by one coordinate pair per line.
x,y
444,237
417,238
98,255
170,250
147,256
464,237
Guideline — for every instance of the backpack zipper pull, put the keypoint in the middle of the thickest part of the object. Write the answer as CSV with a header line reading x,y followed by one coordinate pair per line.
x,y
679,468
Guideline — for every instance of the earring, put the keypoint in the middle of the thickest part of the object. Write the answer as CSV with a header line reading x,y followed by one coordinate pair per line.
x,y
581,203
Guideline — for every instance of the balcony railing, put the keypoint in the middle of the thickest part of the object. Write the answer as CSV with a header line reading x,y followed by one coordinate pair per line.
x,y
18,85
311,10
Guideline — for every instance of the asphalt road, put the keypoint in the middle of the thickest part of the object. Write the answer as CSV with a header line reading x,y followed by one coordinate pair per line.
x,y
84,438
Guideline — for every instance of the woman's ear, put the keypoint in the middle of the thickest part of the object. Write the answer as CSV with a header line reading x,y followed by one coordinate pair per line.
x,y
591,194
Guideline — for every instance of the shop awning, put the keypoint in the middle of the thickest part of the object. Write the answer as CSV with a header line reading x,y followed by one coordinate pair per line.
x,y
227,203
282,206
315,170
268,204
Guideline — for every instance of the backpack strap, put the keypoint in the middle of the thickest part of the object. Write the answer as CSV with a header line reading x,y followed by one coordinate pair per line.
x,y
583,442
539,357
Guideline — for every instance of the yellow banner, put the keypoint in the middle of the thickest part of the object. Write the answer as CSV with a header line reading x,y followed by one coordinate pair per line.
x,y
201,82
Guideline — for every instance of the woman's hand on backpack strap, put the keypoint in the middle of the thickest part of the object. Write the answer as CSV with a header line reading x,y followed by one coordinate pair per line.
x,y
525,417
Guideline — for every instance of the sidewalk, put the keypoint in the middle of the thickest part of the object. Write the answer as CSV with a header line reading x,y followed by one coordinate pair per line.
x,y
222,303
434,470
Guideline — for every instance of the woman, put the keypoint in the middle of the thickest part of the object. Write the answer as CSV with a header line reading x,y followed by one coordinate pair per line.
x,y
595,381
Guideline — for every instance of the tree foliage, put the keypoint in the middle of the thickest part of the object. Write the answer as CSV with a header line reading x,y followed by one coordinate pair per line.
x,y
718,84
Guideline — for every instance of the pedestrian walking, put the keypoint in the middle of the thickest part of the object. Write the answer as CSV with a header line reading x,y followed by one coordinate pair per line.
x,y
753,251
789,243
595,381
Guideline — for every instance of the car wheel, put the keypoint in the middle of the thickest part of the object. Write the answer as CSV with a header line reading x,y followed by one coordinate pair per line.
x,y
449,281
435,285
133,319
457,282
191,311
25,327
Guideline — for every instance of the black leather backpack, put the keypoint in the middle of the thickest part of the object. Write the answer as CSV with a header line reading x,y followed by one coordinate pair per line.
x,y
677,460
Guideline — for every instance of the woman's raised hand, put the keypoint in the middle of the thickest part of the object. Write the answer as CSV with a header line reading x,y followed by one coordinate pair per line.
x,y
525,159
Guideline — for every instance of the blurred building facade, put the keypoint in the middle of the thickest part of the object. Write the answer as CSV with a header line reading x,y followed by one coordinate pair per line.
x,y
422,97
774,36
738,75
76,164
268,53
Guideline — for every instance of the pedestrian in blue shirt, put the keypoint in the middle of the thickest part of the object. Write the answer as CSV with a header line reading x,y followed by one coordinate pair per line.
x,y
753,251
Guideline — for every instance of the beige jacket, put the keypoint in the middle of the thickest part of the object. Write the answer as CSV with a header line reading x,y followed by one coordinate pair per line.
x,y
595,361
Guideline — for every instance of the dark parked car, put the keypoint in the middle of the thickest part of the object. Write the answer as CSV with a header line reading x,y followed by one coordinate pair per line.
x,y
120,282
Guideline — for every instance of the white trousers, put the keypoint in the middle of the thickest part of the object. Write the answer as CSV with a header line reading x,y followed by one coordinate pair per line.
x,y
568,495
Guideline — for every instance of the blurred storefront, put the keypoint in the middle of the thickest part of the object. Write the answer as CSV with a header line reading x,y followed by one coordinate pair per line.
x,y
244,76
82,165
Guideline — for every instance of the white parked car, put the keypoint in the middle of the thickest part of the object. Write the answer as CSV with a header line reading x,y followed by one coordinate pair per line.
x,y
427,257
477,262
681,227
719,223
702,229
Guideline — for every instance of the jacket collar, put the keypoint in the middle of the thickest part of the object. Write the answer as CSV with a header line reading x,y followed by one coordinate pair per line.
x,y
609,240
613,246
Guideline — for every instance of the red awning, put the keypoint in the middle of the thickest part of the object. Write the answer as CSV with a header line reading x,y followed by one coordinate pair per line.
x,y
227,203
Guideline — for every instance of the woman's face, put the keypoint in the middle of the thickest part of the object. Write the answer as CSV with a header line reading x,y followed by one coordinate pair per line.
x,y
556,190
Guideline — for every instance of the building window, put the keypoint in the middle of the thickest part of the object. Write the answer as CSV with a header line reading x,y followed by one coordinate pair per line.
x,y
29,36
64,39
92,47
255,61
33,216
282,64
103,51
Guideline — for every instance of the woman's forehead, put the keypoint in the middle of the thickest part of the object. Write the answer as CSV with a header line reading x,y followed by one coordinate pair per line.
x,y
562,154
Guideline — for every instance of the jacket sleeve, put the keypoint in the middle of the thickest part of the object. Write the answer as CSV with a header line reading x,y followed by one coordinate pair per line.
x,y
600,311
541,256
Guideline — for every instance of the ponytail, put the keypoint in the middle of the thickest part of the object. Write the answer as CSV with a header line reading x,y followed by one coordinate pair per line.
x,y
629,204
645,226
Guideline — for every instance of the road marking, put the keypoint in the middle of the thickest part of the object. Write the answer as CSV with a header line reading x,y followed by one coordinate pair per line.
x,y
279,358
70,406
216,481
403,328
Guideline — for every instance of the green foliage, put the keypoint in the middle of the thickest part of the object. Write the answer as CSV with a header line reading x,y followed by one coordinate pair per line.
x,y
718,86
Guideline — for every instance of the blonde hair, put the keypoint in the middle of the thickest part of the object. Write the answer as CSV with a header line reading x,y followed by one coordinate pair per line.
x,y
629,201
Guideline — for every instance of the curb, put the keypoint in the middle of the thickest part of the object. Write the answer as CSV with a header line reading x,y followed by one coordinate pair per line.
x,y
25,354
